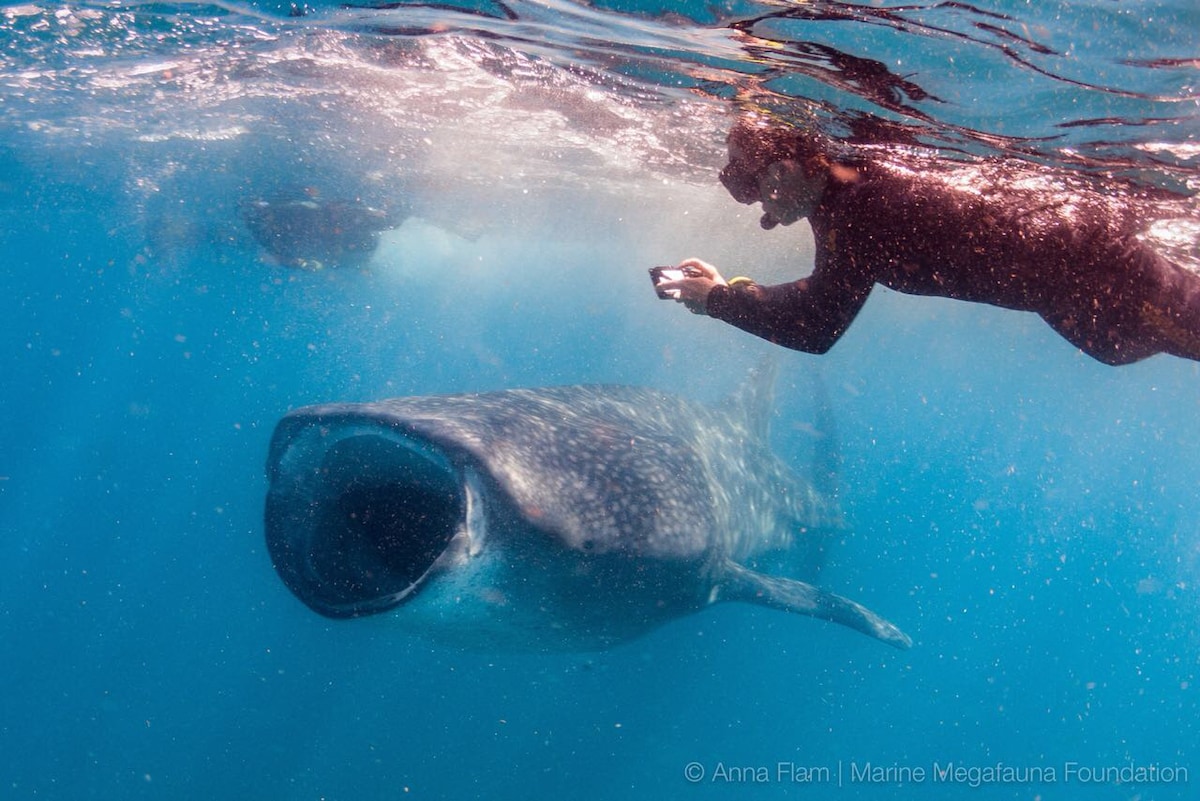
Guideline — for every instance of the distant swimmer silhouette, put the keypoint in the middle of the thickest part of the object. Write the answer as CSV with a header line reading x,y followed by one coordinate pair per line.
x,y
1004,232
307,231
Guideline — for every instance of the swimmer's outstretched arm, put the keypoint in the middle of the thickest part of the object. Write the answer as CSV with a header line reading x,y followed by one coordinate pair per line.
x,y
809,315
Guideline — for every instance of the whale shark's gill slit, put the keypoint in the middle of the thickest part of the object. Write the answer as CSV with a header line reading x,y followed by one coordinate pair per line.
x,y
381,511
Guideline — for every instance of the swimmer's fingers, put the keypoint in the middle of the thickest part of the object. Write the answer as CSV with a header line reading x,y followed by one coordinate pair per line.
x,y
693,292
700,269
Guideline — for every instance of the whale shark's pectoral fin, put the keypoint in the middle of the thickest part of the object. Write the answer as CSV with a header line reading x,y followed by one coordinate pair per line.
x,y
738,583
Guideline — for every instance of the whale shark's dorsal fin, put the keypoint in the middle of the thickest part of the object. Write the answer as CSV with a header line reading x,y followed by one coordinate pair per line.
x,y
753,402
737,583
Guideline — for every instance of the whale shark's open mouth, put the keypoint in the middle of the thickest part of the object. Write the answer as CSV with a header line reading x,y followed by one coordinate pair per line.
x,y
357,516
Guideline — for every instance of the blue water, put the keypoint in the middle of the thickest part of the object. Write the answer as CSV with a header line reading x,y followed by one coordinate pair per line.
x,y
1029,516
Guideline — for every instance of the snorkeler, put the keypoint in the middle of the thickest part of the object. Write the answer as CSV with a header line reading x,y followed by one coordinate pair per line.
x,y
1006,233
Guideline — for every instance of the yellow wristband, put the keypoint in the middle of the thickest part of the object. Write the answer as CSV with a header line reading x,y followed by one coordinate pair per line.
x,y
741,279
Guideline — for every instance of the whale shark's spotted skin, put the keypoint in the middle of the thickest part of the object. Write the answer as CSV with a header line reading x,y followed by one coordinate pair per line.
x,y
560,517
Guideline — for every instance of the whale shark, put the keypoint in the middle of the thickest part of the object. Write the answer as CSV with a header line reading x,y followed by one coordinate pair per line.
x,y
307,231
555,518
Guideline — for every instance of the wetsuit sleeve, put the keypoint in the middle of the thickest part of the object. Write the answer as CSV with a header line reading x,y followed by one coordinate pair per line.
x,y
809,315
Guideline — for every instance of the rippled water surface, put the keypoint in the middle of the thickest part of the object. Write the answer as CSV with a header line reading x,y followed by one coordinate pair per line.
x,y
1029,516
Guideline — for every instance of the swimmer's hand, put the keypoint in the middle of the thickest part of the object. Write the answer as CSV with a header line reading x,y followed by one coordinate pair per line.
x,y
699,279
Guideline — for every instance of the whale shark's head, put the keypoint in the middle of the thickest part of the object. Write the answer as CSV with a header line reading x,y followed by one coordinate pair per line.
x,y
370,503
357,517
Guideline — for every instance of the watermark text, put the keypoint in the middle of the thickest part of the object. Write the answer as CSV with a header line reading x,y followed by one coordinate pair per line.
x,y
944,772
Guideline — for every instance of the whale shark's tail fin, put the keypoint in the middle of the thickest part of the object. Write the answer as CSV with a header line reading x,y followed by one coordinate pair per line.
x,y
753,402
737,583
827,453
826,470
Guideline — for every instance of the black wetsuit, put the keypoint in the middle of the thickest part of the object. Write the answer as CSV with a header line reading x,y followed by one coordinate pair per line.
x,y
995,232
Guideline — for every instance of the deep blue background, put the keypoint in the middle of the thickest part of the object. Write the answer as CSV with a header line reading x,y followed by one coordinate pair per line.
x,y
1029,516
